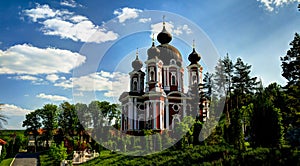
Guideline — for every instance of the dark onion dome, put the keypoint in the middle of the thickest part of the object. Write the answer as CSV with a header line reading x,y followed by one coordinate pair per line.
x,y
169,52
153,51
194,57
137,64
164,36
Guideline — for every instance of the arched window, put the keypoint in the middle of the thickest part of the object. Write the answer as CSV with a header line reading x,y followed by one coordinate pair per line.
x,y
134,85
195,79
173,78
152,78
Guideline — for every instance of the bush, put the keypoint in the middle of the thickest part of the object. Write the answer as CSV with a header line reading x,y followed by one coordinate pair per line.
x,y
58,153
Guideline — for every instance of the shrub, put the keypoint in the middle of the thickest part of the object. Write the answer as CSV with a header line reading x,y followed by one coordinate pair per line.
x,y
58,153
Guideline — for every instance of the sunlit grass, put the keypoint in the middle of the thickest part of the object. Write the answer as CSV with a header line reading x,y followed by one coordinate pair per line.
x,y
6,162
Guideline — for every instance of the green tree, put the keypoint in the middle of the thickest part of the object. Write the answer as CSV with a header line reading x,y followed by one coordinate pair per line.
x,y
84,121
32,123
49,116
58,153
243,83
228,70
220,79
291,71
236,130
184,129
69,125
67,119
267,128
94,110
83,114
103,113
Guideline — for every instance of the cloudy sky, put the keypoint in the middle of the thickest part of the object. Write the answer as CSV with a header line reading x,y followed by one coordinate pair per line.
x,y
68,50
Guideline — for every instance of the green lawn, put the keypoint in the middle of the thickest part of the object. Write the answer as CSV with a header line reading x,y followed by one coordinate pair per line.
x,y
6,162
203,155
198,155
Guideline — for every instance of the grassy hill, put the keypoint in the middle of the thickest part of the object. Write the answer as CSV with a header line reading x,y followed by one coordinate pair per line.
x,y
203,155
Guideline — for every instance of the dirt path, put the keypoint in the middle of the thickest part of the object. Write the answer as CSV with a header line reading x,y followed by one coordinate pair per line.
x,y
26,159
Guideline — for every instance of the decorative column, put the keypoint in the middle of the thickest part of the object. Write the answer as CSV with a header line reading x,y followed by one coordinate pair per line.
x,y
122,118
161,115
134,113
167,114
130,112
154,114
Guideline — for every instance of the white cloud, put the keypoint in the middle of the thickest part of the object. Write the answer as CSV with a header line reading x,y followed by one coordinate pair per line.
x,y
52,77
69,3
144,20
27,59
64,83
52,97
26,77
126,14
113,84
78,18
13,110
178,30
270,5
43,12
33,79
67,25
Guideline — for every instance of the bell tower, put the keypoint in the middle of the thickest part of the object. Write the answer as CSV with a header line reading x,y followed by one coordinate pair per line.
x,y
154,69
137,76
194,69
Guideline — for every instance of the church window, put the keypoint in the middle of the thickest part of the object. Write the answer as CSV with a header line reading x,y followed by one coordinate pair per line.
x,y
134,85
173,78
152,74
194,78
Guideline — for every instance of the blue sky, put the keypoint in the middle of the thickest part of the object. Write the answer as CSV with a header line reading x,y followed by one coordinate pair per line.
x,y
68,50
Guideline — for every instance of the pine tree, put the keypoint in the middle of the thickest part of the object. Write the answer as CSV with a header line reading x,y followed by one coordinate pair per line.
x,y
228,69
291,71
243,84
266,123
220,79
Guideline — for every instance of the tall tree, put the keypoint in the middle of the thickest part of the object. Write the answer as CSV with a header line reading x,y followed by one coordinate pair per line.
x,y
267,128
103,113
228,70
243,84
68,119
49,115
291,71
84,120
33,124
94,109
220,79
83,114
